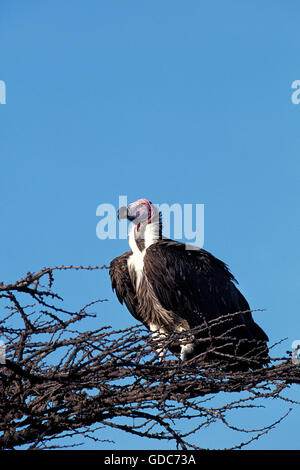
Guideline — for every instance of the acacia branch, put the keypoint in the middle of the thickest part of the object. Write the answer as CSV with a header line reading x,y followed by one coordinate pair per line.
x,y
57,381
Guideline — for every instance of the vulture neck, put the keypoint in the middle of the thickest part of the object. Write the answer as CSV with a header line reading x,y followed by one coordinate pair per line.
x,y
140,240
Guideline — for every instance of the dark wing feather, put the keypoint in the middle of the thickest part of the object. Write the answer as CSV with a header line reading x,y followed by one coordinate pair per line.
x,y
257,332
196,285
121,282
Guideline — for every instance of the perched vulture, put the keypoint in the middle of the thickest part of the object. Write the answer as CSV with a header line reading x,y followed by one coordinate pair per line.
x,y
173,288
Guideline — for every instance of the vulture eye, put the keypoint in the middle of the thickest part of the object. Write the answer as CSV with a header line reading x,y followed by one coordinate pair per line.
x,y
138,210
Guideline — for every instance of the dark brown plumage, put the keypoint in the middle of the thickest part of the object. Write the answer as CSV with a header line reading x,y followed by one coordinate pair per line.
x,y
180,289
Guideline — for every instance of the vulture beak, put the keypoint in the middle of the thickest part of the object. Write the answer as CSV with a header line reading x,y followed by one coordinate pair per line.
x,y
123,213
128,212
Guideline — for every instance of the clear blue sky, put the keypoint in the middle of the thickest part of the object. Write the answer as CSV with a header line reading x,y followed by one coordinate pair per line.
x,y
186,102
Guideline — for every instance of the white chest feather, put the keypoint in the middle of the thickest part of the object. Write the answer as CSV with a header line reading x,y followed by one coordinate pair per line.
x,y
135,262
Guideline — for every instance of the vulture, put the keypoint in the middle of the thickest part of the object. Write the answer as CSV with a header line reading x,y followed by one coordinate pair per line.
x,y
185,296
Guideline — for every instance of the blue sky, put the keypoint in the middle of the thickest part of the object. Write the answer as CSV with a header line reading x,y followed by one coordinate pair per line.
x,y
179,102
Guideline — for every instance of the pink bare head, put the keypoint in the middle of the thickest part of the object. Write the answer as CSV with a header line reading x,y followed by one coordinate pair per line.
x,y
139,212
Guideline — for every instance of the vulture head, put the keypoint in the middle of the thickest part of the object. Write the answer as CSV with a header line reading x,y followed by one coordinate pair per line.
x,y
141,212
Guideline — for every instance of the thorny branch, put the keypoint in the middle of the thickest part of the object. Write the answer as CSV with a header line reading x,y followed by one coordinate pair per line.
x,y
57,381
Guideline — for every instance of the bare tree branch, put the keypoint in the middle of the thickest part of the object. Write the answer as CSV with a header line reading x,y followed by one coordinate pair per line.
x,y
57,381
